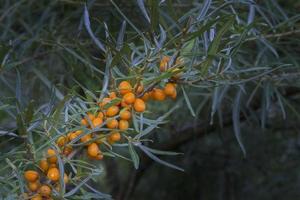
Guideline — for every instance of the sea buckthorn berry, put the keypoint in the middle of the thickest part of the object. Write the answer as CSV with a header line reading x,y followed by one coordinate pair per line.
x,y
31,175
125,114
158,94
129,98
112,123
139,105
93,150
91,116
37,197
123,125
84,122
146,96
104,101
112,111
115,136
72,136
61,141
78,132
97,121
33,186
51,156
174,95
124,87
140,89
98,157
112,95
45,191
86,138
44,165
100,115
169,89
163,66
124,104
53,174
52,165
67,150
66,178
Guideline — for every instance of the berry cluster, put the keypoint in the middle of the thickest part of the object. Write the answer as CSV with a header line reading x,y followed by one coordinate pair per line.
x,y
114,113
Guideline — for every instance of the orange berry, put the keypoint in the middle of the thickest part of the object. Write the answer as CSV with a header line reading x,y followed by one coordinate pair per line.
x,y
44,165
112,95
124,87
146,96
104,101
45,190
78,132
158,94
97,121
98,157
84,122
140,89
72,136
53,174
163,66
91,116
174,95
93,150
66,178
139,105
86,138
129,98
100,115
37,197
61,141
31,175
67,150
125,115
51,156
52,165
34,186
112,123
123,125
114,137
169,89
112,111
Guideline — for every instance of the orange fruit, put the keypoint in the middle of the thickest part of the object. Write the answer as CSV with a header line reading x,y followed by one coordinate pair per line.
x,y
51,156
114,137
72,136
139,105
84,122
78,132
140,89
124,87
86,138
37,197
93,150
104,101
125,115
45,191
91,116
174,95
169,89
98,157
100,115
129,98
53,174
158,94
66,178
44,165
163,65
146,96
97,121
61,141
52,165
34,186
67,150
31,175
112,123
123,125
112,111
112,95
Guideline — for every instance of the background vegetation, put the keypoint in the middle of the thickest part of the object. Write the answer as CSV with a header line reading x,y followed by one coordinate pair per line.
x,y
237,121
